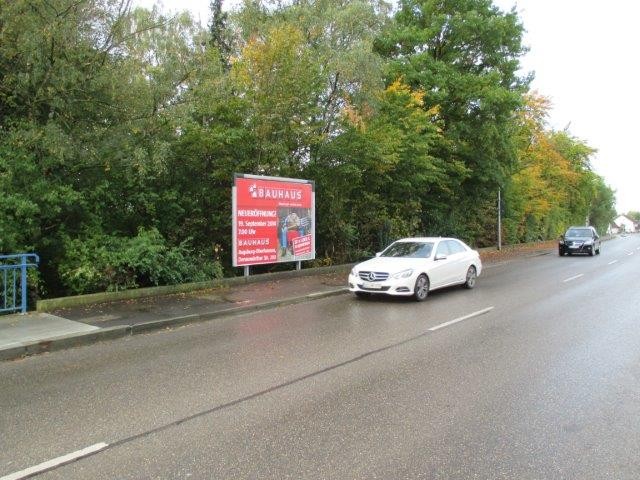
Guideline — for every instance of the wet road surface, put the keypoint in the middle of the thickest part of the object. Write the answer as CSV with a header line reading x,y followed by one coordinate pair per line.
x,y
533,374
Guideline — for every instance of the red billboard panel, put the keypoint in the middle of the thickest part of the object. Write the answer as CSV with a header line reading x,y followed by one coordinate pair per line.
x,y
273,220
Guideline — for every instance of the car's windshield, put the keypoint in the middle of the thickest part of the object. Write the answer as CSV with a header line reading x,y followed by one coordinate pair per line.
x,y
409,250
578,232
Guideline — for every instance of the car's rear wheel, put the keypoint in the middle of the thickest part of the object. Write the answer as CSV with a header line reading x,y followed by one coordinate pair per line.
x,y
470,281
421,290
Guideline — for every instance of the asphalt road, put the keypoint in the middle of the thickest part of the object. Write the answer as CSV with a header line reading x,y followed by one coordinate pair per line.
x,y
534,374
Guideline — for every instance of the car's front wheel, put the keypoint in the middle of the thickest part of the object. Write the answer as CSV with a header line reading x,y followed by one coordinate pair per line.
x,y
362,294
470,281
591,250
421,290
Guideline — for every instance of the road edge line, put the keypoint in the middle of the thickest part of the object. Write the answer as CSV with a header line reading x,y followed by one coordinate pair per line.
x,y
56,462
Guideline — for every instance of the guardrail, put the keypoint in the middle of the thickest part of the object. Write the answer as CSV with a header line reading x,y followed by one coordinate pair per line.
x,y
13,280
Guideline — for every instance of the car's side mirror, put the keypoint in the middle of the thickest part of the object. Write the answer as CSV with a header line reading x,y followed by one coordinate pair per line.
x,y
440,256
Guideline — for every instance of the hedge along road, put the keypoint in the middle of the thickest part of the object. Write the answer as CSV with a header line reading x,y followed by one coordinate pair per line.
x,y
530,377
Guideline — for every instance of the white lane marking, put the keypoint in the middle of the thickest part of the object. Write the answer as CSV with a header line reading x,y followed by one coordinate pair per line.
x,y
56,462
637,248
612,262
460,319
629,253
566,280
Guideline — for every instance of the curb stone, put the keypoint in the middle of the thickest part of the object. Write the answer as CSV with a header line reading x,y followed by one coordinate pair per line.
x,y
233,311
64,342
111,333
51,304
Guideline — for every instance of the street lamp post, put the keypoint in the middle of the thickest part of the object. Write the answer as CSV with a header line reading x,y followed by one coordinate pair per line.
x,y
499,220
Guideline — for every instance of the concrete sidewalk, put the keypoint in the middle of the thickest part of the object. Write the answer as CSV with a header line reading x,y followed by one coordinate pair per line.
x,y
38,332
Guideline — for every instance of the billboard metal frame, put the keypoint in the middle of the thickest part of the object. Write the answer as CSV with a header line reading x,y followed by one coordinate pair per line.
x,y
268,196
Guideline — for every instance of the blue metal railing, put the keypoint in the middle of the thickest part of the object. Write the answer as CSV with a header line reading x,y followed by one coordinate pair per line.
x,y
13,281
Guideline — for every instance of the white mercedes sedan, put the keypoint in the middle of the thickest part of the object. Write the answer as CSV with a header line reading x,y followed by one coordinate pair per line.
x,y
415,266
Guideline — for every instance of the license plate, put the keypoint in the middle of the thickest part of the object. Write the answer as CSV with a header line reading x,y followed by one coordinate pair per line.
x,y
372,285
574,246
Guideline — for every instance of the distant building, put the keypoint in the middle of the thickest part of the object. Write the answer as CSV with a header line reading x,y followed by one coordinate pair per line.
x,y
613,229
622,223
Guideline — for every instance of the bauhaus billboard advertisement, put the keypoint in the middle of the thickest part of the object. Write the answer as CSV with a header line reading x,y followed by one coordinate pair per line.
x,y
273,220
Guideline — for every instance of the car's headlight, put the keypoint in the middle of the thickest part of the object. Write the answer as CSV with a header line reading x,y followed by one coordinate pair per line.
x,y
403,274
588,242
354,272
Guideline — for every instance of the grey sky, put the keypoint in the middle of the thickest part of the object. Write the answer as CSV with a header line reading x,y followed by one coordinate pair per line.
x,y
584,55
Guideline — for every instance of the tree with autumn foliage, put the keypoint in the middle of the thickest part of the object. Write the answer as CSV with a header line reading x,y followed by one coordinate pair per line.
x,y
553,185
377,173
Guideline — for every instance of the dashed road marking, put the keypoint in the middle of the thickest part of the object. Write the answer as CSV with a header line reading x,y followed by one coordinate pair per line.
x,y
460,319
612,262
56,462
573,278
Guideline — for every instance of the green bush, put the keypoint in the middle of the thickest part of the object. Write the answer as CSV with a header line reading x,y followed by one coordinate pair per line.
x,y
101,262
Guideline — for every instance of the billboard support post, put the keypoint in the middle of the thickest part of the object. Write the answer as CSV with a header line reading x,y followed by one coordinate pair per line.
x,y
246,270
298,265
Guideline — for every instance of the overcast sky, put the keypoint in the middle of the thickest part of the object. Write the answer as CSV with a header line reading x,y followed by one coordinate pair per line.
x,y
584,55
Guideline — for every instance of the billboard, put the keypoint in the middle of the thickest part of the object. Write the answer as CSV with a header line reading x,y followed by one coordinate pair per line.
x,y
273,220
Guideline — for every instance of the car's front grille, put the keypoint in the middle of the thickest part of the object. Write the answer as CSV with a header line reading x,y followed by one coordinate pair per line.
x,y
373,276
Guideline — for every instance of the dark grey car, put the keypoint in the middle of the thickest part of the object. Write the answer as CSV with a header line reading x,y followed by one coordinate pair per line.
x,y
579,240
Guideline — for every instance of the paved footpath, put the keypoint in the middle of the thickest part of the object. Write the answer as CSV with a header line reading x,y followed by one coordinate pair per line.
x,y
37,332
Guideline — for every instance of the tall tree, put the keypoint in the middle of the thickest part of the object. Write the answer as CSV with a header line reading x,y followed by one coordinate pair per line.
x,y
56,99
553,185
219,34
374,174
602,209
333,40
465,55
85,88
280,80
